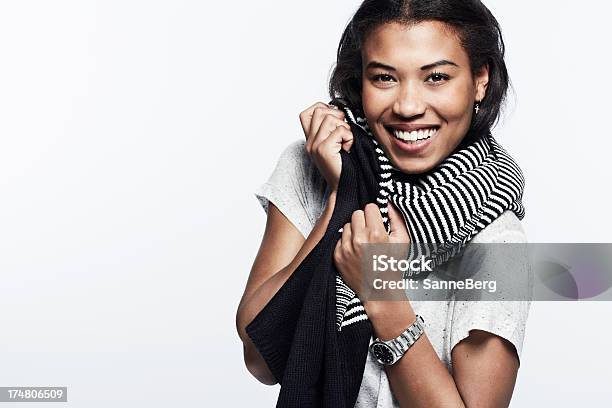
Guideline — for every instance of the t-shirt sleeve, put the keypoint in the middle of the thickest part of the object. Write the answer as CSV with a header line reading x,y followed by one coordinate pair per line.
x,y
504,318
295,187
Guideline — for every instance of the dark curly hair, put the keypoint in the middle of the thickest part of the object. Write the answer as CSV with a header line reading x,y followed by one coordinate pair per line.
x,y
477,29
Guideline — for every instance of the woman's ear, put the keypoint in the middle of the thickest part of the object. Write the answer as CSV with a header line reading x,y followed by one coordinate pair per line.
x,y
482,81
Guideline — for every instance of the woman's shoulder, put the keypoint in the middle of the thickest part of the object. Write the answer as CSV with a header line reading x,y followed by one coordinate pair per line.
x,y
306,175
296,187
502,311
295,154
296,162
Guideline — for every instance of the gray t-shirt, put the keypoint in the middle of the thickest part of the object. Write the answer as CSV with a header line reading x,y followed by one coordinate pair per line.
x,y
299,191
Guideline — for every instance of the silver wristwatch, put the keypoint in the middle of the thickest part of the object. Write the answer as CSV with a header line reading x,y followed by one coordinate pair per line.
x,y
388,352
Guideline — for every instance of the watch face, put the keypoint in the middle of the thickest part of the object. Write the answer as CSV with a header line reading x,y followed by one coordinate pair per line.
x,y
383,353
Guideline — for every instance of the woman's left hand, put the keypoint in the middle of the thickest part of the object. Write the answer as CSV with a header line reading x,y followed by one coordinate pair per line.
x,y
366,227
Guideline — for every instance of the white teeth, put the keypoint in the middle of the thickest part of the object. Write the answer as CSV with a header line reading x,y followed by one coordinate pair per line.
x,y
415,135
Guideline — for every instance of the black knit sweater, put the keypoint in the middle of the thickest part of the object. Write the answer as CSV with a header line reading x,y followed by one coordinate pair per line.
x,y
296,332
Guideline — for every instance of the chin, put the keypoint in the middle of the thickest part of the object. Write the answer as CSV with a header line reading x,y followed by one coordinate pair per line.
x,y
415,165
409,166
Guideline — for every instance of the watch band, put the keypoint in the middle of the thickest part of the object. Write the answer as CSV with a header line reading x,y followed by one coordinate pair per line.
x,y
388,352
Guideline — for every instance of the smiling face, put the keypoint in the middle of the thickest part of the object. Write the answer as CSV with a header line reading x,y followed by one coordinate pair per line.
x,y
418,77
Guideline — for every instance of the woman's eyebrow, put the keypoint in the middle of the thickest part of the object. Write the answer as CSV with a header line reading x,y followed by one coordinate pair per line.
x,y
437,64
376,64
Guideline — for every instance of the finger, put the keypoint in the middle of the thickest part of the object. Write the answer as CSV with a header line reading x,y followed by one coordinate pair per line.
x,y
328,126
306,116
358,220
318,116
358,227
339,138
373,218
347,237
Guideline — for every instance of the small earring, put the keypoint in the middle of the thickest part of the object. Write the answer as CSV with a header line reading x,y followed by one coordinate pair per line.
x,y
477,108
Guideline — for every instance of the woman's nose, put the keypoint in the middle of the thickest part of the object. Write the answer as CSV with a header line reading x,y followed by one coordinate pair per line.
x,y
409,101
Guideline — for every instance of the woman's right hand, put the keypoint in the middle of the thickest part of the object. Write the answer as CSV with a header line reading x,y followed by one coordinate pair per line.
x,y
326,133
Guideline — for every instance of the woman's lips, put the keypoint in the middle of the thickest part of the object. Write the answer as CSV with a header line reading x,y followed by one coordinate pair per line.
x,y
411,147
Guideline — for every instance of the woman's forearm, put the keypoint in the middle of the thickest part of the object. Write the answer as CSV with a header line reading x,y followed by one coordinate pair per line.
x,y
419,378
252,304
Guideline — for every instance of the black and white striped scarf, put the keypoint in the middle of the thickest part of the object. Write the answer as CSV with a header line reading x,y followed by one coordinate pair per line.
x,y
314,333
447,206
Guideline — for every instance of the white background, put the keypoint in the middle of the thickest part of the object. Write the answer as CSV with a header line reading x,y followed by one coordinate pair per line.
x,y
133,133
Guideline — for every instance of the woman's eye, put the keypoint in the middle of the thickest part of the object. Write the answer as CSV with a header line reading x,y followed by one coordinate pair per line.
x,y
438,77
382,77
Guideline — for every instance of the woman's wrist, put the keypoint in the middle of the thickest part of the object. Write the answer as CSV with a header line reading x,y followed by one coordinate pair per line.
x,y
389,318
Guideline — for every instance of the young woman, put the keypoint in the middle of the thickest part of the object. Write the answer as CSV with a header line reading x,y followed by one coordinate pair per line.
x,y
429,77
